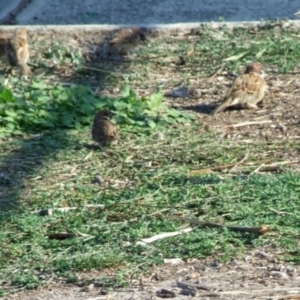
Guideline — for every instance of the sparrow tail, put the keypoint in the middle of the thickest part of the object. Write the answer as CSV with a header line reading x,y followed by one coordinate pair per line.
x,y
220,108
24,69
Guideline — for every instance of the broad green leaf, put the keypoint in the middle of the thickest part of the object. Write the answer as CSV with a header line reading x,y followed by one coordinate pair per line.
x,y
155,100
174,113
10,126
11,113
41,85
9,118
236,57
6,95
125,90
152,124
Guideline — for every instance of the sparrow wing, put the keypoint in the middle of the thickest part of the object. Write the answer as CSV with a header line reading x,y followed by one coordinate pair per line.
x,y
247,88
11,55
103,130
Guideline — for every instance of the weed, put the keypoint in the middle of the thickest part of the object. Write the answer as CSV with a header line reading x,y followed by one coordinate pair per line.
x,y
43,107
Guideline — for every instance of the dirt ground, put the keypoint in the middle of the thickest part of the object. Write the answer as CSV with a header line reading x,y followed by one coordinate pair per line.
x,y
259,274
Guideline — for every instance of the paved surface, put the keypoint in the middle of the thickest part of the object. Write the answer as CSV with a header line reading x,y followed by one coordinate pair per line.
x,y
147,12
10,7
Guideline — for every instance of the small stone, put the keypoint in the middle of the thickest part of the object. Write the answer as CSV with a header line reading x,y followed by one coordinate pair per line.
x,y
163,293
89,288
279,275
45,212
189,292
192,275
98,180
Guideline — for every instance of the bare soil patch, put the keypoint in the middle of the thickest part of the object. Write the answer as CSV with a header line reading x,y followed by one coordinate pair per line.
x,y
258,275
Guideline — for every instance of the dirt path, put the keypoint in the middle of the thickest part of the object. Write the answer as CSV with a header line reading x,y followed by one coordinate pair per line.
x,y
258,275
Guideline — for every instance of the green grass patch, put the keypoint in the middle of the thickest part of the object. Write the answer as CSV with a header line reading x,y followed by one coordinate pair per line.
x,y
147,176
147,186
38,106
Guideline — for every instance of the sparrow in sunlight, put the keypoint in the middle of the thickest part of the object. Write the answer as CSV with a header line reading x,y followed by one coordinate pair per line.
x,y
17,51
126,40
104,131
246,91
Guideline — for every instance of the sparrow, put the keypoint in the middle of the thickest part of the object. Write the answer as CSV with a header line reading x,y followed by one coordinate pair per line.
x,y
17,51
104,131
3,43
126,40
246,91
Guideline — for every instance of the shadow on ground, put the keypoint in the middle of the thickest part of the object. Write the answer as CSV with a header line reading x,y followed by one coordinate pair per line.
x,y
53,61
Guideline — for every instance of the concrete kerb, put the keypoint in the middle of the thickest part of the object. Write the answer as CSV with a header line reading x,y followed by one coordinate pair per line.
x,y
159,27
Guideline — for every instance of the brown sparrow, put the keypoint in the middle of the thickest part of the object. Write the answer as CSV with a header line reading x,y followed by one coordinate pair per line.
x,y
104,131
127,39
3,43
17,51
247,89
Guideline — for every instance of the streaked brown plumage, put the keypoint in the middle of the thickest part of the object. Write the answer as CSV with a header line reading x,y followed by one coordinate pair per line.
x,y
17,51
104,131
247,89
4,39
127,39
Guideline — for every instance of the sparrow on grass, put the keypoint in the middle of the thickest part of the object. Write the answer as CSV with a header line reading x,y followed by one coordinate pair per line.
x,y
126,40
104,131
17,51
246,91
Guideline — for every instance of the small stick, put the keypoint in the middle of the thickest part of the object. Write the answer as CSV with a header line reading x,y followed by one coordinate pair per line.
x,y
219,71
100,70
274,166
259,230
163,236
286,162
260,291
187,284
221,167
257,169
240,162
61,236
247,124
262,117
49,211
279,212
107,297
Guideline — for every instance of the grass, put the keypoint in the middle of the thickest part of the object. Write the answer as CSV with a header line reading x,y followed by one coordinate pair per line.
x,y
147,177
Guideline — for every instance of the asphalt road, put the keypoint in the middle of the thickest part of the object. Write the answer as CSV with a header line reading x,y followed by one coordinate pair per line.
x,y
147,12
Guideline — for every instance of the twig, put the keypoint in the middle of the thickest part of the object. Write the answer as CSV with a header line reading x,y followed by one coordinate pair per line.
x,y
163,236
247,124
219,71
273,167
262,117
221,167
286,162
49,211
259,230
107,297
100,70
279,212
261,291
257,169
173,261
187,284
240,162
